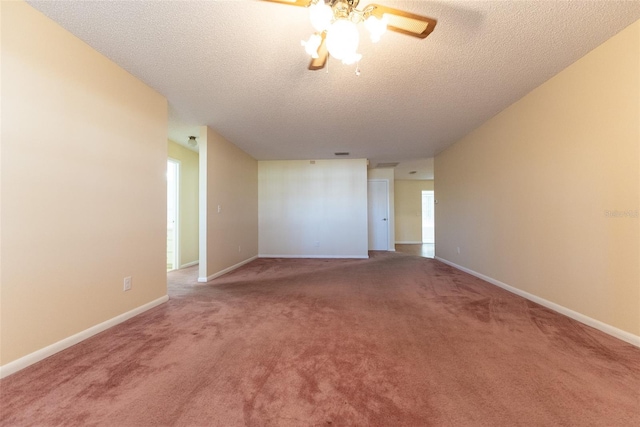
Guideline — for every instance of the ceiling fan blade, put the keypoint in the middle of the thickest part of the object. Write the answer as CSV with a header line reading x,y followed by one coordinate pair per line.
x,y
301,3
405,22
319,62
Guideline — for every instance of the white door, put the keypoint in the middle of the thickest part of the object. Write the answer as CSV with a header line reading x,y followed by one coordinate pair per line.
x,y
378,214
428,218
173,171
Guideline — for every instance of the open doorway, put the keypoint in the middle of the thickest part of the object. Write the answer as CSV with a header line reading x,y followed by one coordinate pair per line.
x,y
173,177
428,224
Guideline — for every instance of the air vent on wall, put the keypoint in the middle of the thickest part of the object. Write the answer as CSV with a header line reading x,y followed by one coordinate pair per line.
x,y
342,153
387,165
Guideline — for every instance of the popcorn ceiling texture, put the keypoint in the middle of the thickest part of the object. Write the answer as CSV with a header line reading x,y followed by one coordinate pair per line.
x,y
238,67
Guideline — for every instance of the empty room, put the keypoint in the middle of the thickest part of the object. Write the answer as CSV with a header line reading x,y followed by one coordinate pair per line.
x,y
319,213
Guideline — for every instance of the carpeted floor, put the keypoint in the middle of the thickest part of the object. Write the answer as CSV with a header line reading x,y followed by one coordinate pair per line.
x,y
395,340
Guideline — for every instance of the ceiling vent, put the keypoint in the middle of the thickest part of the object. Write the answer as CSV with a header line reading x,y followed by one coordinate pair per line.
x,y
387,165
342,153
413,172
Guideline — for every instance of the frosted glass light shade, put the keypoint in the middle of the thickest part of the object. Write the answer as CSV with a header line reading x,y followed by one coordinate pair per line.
x,y
351,59
342,39
320,15
311,46
376,27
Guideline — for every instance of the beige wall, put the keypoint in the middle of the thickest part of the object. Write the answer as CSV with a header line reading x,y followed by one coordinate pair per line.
x,y
1,181
526,196
188,200
408,195
313,210
229,180
388,175
83,186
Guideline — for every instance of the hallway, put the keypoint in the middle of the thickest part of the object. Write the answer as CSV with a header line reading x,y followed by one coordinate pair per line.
x,y
425,250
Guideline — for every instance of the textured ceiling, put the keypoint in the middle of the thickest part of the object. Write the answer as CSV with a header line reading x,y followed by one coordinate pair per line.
x,y
238,67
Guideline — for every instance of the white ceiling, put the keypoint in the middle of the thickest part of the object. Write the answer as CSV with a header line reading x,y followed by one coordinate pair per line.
x,y
238,67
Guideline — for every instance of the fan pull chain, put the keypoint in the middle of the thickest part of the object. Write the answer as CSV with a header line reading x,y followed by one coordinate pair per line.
x,y
358,68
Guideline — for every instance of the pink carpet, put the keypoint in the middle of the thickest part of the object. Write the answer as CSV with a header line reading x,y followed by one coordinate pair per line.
x,y
395,340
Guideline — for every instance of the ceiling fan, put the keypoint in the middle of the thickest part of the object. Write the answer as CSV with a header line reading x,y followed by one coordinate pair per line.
x,y
336,32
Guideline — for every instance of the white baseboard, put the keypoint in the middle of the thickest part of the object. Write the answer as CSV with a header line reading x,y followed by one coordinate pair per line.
x,y
189,264
226,270
50,350
410,243
601,326
316,256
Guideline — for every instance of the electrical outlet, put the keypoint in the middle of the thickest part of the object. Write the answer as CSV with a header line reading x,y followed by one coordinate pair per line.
x,y
127,283
458,249
317,244
239,248
219,208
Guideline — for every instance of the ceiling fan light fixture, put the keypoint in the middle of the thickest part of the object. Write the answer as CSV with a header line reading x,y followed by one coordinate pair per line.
x,y
335,23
